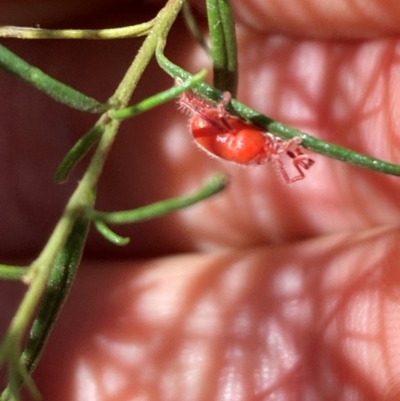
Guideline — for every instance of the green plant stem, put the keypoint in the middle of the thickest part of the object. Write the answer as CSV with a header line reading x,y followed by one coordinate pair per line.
x,y
213,186
156,100
60,92
164,21
57,289
223,45
78,151
110,235
37,277
281,130
9,272
122,95
82,198
112,33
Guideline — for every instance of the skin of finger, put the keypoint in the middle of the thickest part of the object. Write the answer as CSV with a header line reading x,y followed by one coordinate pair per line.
x,y
319,19
341,92
318,320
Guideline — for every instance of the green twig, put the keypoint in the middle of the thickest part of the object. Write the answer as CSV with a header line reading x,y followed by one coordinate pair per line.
x,y
281,130
78,151
112,33
164,21
57,289
156,100
110,235
223,45
60,92
9,272
210,188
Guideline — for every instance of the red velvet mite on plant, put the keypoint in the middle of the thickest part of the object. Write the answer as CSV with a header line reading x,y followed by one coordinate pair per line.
x,y
231,138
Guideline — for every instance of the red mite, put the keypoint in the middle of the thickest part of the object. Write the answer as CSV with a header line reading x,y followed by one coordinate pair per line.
x,y
231,138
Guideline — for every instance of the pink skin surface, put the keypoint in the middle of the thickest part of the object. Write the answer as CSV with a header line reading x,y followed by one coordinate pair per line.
x,y
268,291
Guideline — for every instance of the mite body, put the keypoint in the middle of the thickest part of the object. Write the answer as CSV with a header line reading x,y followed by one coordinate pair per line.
x,y
231,138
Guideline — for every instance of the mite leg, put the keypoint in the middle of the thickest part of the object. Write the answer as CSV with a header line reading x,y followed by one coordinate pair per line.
x,y
292,149
278,165
300,162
